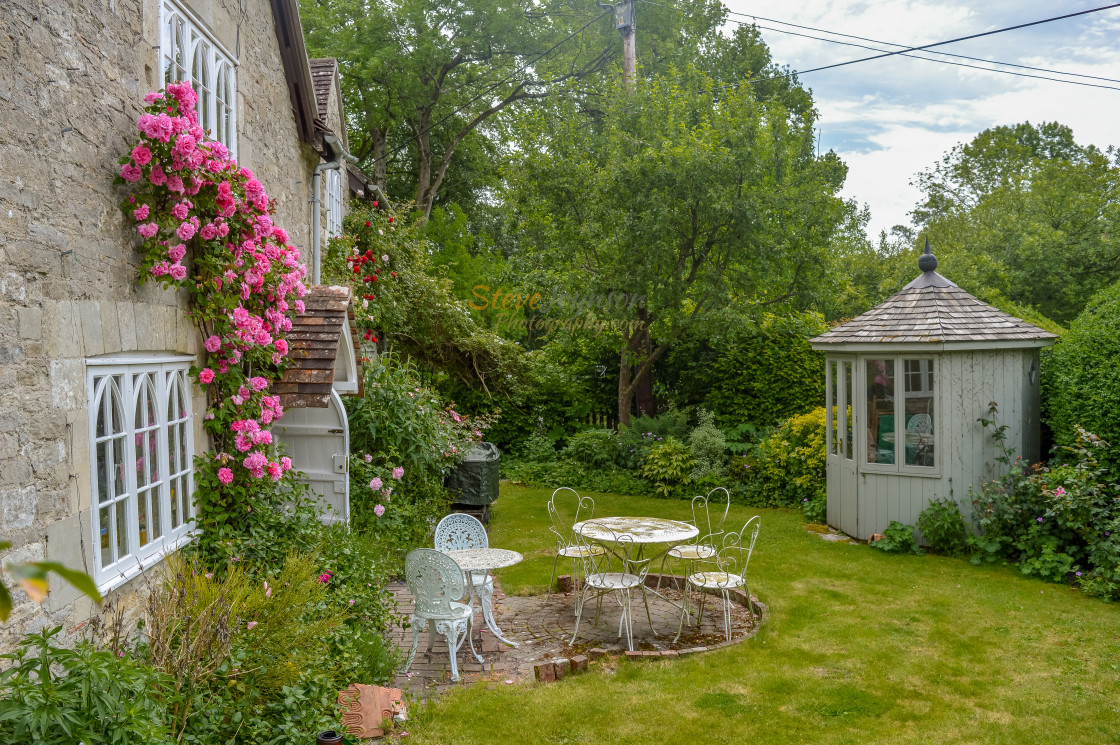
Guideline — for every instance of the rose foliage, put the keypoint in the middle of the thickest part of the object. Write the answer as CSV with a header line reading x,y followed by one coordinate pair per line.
x,y
206,225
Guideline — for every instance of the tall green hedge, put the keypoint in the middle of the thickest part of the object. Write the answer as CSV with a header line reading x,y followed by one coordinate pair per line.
x,y
1081,377
768,372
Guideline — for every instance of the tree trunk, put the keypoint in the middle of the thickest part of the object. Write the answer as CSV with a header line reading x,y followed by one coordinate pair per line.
x,y
625,391
424,150
647,404
380,160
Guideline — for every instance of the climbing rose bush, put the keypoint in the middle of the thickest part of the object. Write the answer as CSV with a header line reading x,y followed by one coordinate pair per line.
x,y
207,226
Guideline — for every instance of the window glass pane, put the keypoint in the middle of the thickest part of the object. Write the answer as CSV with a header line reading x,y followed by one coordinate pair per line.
x,y
118,466
847,414
831,393
184,462
918,408
157,526
119,528
104,516
153,455
102,472
102,403
175,519
142,516
880,411
114,392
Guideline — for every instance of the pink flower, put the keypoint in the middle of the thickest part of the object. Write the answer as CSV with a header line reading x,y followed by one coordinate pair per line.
x,y
174,183
141,155
209,575
147,229
186,231
375,484
352,600
180,210
258,383
281,346
152,97
286,463
206,376
379,510
177,271
1060,491
225,475
141,212
250,625
456,417
176,253
325,577
267,590
398,472
157,176
368,458
212,344
274,471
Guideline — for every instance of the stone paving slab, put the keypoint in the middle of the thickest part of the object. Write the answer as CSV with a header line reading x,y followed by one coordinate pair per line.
x,y
543,629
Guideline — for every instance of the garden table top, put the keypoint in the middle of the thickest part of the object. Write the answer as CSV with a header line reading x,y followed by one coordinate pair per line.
x,y
482,559
637,529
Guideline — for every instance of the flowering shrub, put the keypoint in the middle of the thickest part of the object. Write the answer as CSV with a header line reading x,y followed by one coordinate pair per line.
x,y
206,225
787,467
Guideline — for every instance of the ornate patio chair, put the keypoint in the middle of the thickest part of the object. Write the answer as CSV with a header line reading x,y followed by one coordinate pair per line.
x,y
610,570
436,583
708,540
458,531
725,571
561,528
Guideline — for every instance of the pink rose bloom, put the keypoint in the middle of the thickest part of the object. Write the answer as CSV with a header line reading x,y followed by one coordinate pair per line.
x,y
141,155
147,229
160,269
386,492
185,231
250,625
258,383
398,472
130,172
206,375
325,577
379,510
456,416
177,272
176,253
174,183
300,307
157,176
141,212
208,232
286,463
212,344
369,458
375,484
274,471
225,475
179,211
152,97
281,346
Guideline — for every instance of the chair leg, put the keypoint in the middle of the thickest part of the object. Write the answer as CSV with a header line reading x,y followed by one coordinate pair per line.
x,y
470,637
684,613
579,613
431,635
628,619
645,599
552,579
415,643
664,558
727,614
452,634
703,602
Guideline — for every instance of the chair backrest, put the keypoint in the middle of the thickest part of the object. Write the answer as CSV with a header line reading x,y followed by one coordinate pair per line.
x,y
921,423
560,526
458,531
702,515
738,547
435,580
615,556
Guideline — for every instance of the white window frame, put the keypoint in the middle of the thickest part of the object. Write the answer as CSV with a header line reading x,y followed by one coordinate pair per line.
x,y
182,41
334,202
900,466
126,376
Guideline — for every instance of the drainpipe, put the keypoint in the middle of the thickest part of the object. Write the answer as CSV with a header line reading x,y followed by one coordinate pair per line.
x,y
336,146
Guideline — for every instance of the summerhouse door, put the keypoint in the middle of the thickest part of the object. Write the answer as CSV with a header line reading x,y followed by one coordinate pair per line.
x,y
841,422
318,442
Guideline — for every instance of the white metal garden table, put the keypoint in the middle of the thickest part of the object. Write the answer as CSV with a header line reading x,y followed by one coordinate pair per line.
x,y
484,560
643,531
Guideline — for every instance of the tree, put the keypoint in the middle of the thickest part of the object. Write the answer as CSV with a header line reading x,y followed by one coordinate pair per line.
x,y
703,200
1025,212
425,80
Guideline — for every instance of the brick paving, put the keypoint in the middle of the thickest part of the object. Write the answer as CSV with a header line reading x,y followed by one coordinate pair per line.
x,y
543,628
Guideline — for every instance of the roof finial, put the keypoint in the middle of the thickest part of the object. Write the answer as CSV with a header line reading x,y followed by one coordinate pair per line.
x,y
927,262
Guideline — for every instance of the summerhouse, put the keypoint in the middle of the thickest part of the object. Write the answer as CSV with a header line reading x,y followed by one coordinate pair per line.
x,y
907,384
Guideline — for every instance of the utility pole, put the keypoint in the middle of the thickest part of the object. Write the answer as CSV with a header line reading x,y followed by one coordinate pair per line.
x,y
625,23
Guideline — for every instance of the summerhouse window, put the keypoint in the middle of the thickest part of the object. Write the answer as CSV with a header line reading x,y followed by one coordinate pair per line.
x,y
141,462
189,53
899,399
334,203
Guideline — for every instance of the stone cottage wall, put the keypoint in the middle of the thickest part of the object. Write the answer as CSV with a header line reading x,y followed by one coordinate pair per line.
x,y
72,79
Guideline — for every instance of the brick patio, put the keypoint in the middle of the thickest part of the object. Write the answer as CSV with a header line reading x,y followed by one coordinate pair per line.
x,y
543,629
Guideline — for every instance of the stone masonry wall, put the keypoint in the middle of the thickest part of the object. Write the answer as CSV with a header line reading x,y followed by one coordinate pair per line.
x,y
72,78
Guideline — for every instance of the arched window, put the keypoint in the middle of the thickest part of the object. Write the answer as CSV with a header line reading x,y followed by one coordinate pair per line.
x,y
223,88
179,451
110,463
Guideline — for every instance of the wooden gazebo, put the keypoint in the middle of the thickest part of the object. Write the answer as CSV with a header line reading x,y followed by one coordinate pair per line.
x,y
906,385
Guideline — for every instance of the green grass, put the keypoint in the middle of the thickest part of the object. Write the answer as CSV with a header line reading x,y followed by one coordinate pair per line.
x,y
860,647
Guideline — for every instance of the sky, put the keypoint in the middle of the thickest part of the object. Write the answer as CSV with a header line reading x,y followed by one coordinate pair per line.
x,y
892,118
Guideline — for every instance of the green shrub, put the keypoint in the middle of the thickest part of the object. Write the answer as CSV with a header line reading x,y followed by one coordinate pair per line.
x,y
897,539
595,447
708,445
537,448
608,480
668,465
943,527
787,467
58,696
1081,377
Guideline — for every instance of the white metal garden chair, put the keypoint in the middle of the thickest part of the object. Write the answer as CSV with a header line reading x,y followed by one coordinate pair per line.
x,y
458,531
566,543
437,583
707,542
725,571
607,571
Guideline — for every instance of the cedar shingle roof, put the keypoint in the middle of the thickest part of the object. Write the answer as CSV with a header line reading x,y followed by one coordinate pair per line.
x,y
323,70
933,309
313,346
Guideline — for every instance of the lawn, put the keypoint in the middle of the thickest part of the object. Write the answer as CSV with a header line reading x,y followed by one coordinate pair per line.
x,y
860,647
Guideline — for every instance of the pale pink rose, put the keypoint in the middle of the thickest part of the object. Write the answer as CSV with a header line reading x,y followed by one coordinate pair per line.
x,y
379,510
141,212
398,472
186,231
375,484
177,272
141,155
176,253
212,344
147,229
225,475
206,376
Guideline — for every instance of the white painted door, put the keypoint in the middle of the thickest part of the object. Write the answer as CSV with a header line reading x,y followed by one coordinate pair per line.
x,y
841,422
318,441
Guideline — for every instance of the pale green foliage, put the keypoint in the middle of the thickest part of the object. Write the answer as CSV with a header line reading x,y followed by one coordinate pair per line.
x,y
708,445
668,465
593,447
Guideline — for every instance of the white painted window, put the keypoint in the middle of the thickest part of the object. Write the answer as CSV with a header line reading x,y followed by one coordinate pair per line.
x,y
900,423
141,462
189,53
334,203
